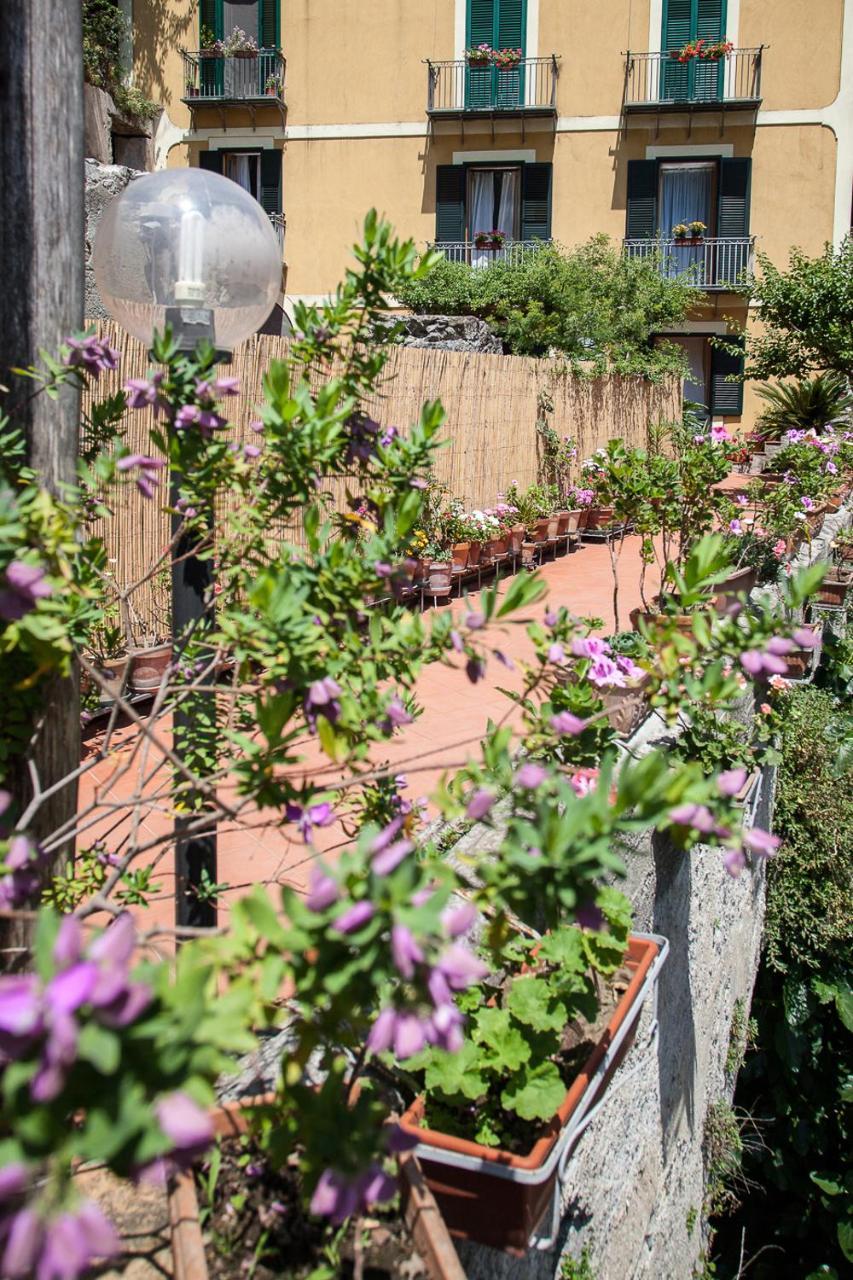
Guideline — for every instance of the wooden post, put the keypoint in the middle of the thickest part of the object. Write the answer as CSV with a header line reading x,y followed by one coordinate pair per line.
x,y
42,252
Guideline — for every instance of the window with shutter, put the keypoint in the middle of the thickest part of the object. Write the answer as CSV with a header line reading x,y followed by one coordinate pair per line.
x,y
726,397
501,24
270,196
268,24
450,180
685,20
733,196
210,160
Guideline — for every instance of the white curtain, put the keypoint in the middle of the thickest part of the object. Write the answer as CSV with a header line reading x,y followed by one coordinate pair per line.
x,y
482,211
508,206
685,197
237,168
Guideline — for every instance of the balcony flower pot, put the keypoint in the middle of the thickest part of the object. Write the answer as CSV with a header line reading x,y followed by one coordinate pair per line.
x,y
271,93
147,667
801,663
740,582
439,577
576,521
563,523
599,518
498,1198
418,1209
459,555
516,537
833,590
583,519
683,621
627,708
244,53
475,553
689,240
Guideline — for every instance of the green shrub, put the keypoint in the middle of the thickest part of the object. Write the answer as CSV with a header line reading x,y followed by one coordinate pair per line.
x,y
591,304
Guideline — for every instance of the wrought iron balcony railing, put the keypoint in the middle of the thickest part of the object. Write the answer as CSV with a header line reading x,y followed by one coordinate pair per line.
x,y
714,262
278,226
659,80
466,251
462,88
249,77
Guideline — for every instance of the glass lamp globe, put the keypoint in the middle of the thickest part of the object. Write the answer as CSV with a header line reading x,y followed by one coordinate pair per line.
x,y
191,249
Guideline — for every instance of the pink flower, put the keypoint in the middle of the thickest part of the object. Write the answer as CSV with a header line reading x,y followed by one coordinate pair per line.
x,y
779,548
760,842
530,776
696,816
323,891
354,918
734,862
479,804
589,647
719,435
735,526
405,951
564,722
731,781
458,920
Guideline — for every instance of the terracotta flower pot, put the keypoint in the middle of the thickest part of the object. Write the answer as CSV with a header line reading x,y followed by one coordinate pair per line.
x,y
475,551
740,582
833,590
459,553
539,530
479,1204
583,519
599,517
114,671
563,523
516,537
574,522
439,576
552,528
528,555
683,621
148,666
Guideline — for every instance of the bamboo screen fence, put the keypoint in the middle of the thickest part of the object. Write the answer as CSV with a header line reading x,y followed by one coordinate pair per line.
x,y
493,404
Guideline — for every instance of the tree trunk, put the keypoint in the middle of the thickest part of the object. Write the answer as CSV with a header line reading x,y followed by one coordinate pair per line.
x,y
41,248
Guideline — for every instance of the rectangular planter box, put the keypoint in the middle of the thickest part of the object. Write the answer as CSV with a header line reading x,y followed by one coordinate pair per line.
x,y
499,1199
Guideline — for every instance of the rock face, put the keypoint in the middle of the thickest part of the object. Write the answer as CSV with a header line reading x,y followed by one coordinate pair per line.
x,y
450,333
111,137
103,183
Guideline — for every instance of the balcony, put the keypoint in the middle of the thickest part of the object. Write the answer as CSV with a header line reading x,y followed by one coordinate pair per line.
x,y
278,225
457,90
658,82
465,251
715,263
214,78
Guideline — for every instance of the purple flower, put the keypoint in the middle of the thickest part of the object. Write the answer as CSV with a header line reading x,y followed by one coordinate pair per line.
x,y
384,863
474,621
445,1028
323,891
808,504
565,722
188,1126
396,715
456,641
589,916
140,392
734,861
405,951
20,1006
68,946
23,1245
530,776
504,660
551,618
735,526
760,842
696,816
23,860
354,917
227,386
316,815
73,1242
147,481
381,1034
460,967
72,988
806,638
25,585
719,435
479,804
91,354
14,1178
590,647
556,653
114,947
475,669
322,699
731,781
755,662
604,671
410,1036
458,920
629,668
335,1197
780,645
252,450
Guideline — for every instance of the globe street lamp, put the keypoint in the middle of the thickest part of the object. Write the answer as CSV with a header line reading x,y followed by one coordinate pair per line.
x,y
191,250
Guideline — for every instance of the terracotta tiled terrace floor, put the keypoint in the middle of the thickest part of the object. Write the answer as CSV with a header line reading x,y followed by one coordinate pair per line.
x,y
454,712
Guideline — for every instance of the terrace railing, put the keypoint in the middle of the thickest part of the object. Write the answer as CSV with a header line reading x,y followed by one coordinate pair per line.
x,y
459,88
714,262
211,77
278,225
657,80
467,252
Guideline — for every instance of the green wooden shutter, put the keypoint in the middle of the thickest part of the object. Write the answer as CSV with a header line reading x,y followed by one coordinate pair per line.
x,y
509,24
268,24
726,397
641,221
480,29
677,30
210,160
536,182
210,15
450,182
270,185
733,197
708,79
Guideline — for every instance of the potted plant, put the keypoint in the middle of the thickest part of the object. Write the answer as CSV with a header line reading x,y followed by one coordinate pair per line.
x,y
191,89
489,240
491,1125
239,45
835,586
481,56
506,59
439,581
843,547
148,665
271,86
628,706
208,44
714,52
689,232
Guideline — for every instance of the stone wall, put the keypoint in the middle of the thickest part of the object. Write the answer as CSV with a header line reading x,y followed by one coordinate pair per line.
x,y
103,183
448,333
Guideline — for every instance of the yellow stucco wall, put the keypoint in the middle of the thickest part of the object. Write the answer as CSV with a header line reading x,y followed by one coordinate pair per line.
x,y
802,66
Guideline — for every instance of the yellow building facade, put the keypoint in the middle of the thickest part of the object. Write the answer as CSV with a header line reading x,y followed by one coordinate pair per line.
x,y
588,116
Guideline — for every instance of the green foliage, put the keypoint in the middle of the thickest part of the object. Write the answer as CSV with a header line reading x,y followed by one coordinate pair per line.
x,y
577,1268
806,316
806,405
591,304
722,1151
105,29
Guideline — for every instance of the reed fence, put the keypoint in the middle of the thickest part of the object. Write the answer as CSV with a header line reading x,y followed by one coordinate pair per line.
x,y
493,404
